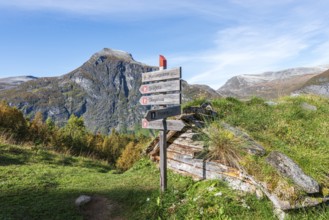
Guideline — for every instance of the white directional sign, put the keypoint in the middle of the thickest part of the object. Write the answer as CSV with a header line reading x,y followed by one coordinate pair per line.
x,y
163,99
162,75
157,114
172,125
168,86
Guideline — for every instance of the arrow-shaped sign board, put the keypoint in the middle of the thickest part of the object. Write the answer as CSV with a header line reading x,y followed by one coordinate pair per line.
x,y
172,125
157,114
162,75
166,99
167,86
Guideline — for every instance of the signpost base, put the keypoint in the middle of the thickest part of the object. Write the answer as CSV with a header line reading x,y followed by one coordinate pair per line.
x,y
163,156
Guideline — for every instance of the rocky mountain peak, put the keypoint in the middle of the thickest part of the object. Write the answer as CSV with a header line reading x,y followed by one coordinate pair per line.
x,y
104,90
108,53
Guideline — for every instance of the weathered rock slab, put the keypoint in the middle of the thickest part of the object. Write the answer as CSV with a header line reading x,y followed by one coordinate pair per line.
x,y
288,168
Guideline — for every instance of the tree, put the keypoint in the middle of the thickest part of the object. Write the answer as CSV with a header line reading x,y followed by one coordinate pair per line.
x,y
73,136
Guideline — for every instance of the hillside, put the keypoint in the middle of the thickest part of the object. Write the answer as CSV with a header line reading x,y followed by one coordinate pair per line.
x,y
318,84
269,84
104,90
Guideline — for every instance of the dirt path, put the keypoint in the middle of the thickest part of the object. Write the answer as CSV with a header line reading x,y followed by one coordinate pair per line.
x,y
100,208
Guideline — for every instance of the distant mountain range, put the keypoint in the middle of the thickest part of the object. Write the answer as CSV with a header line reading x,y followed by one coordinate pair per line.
x,y
104,90
275,84
12,82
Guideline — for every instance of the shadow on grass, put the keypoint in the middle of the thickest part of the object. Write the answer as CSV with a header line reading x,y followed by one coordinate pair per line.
x,y
7,160
98,167
10,155
59,204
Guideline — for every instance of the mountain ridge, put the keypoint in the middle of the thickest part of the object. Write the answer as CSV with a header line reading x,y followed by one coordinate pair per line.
x,y
269,84
104,90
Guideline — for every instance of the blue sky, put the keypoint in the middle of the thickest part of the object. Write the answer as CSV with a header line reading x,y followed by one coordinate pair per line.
x,y
211,40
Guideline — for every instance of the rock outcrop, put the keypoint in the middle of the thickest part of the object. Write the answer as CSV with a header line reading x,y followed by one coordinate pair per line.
x,y
288,168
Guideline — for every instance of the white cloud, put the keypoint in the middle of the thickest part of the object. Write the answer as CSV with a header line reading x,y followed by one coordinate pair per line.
x,y
297,38
123,8
253,36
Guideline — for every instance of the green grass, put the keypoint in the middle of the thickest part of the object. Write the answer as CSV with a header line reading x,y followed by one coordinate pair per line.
x,y
38,184
301,134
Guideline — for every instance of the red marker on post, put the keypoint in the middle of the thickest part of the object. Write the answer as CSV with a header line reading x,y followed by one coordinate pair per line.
x,y
162,63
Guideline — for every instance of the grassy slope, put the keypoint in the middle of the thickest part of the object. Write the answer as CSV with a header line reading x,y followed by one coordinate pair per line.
x,y
286,127
37,184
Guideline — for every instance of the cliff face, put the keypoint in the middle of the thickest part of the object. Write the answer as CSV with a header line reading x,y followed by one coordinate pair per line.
x,y
104,90
110,81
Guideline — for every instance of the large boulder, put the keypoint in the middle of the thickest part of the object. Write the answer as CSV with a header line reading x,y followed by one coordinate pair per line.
x,y
288,168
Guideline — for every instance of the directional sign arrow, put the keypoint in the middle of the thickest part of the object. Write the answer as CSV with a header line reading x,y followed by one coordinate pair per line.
x,y
173,125
162,75
167,99
167,86
156,114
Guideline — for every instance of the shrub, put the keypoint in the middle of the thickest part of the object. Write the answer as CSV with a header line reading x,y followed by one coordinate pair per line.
x,y
12,122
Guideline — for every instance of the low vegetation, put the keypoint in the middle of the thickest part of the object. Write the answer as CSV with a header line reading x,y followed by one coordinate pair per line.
x,y
42,176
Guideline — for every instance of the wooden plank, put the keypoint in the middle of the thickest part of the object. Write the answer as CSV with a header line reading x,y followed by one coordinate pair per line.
x,y
168,86
157,114
175,73
174,125
184,150
164,99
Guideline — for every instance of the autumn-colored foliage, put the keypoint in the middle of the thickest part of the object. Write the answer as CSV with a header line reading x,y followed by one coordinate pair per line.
x,y
12,123
73,138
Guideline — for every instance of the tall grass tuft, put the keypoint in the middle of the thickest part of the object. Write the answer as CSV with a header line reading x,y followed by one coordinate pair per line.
x,y
223,145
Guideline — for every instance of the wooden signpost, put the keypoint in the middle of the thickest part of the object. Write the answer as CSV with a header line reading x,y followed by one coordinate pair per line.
x,y
163,99
157,114
172,125
162,75
162,88
173,85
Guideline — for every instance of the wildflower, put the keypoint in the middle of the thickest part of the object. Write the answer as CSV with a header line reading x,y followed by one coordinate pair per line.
x,y
211,188
196,198
148,199
218,194
201,210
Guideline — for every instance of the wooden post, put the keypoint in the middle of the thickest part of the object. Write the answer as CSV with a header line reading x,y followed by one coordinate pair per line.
x,y
162,88
163,156
163,140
